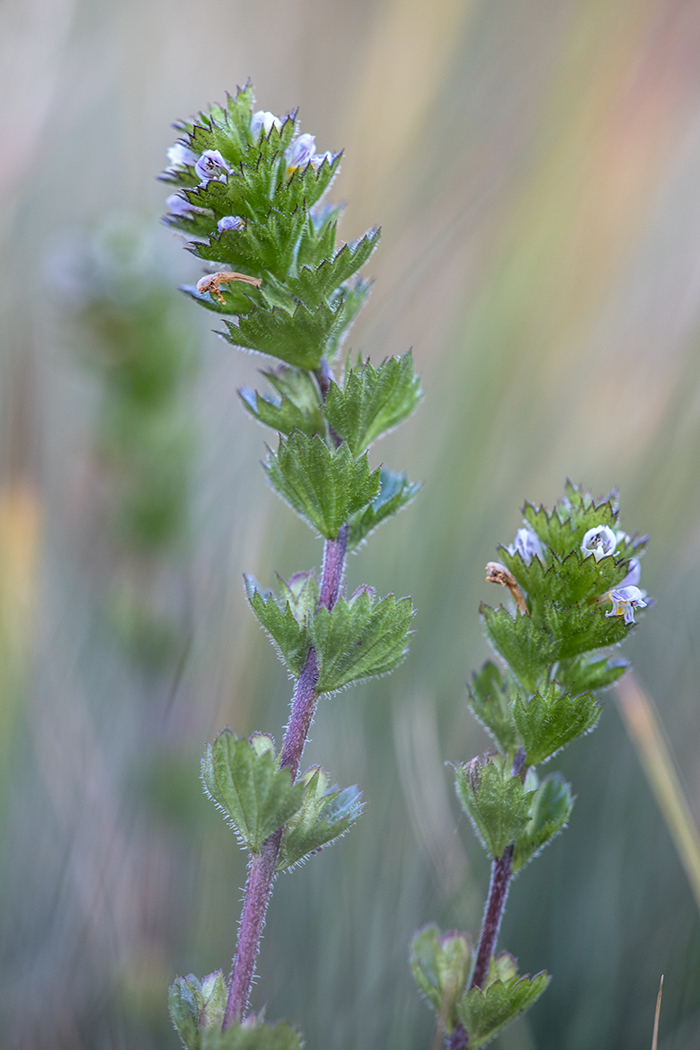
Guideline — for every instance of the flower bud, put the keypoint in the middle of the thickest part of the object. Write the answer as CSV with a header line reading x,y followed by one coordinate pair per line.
x,y
179,154
300,152
230,222
262,123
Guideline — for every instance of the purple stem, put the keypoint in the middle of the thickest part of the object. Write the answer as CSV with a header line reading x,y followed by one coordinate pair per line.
x,y
501,873
459,1040
261,872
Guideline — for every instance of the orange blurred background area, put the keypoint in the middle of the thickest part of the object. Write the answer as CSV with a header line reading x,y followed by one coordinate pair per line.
x,y
534,165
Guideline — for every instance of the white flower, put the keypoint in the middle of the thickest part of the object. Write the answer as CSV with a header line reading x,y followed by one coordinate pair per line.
x,y
527,544
178,205
180,154
263,121
625,600
230,222
634,574
599,541
300,152
211,165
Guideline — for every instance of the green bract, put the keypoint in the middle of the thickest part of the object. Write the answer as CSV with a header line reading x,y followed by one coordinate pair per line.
x,y
197,1011
441,965
326,814
244,780
486,1013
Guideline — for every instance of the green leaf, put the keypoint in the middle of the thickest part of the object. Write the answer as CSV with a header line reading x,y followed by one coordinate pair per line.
x,y
491,703
243,780
325,815
299,338
502,967
440,964
395,492
252,1035
550,810
298,404
582,673
278,619
372,401
196,1005
528,651
579,629
317,285
324,486
360,638
495,802
486,1013
551,720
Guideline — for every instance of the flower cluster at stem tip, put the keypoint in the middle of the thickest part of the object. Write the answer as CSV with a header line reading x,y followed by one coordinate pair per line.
x,y
598,542
211,166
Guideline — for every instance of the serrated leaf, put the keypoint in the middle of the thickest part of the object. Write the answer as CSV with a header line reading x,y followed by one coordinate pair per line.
x,y
486,1013
527,649
325,815
551,720
324,486
314,286
296,404
502,967
490,701
351,297
372,401
582,673
278,619
440,965
299,338
495,802
395,493
578,629
255,796
550,810
360,638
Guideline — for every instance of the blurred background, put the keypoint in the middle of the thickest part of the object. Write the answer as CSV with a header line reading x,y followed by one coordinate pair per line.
x,y
535,166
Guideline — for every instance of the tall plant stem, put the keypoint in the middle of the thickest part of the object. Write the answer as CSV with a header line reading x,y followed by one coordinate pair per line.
x,y
501,874
261,872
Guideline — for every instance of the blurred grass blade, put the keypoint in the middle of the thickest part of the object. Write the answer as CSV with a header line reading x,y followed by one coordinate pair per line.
x,y
655,1037
647,736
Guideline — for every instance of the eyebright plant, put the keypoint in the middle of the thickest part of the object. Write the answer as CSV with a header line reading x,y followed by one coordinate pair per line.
x,y
572,575
248,193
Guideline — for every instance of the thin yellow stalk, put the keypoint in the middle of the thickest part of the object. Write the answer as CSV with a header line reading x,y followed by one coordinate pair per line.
x,y
645,730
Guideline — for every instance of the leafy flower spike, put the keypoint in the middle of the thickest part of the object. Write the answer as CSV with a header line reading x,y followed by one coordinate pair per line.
x,y
600,541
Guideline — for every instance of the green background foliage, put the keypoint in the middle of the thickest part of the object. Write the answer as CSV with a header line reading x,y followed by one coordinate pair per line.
x,y
534,167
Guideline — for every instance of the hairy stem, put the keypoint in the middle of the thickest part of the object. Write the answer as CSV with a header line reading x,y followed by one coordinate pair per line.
x,y
501,873
261,872
459,1040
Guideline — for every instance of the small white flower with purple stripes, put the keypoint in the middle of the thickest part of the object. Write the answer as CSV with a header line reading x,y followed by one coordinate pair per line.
x,y
180,155
527,544
211,167
300,151
599,541
624,601
263,122
230,222
179,206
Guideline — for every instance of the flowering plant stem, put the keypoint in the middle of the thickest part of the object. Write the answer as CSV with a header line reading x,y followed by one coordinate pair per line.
x,y
261,871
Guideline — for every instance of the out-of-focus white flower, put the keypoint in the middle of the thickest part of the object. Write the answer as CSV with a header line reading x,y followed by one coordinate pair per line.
x,y
212,166
599,541
625,600
527,544
181,154
300,151
621,536
230,222
633,576
178,205
263,121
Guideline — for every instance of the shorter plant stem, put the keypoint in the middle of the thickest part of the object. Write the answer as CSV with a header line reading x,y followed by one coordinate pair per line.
x,y
261,873
501,873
